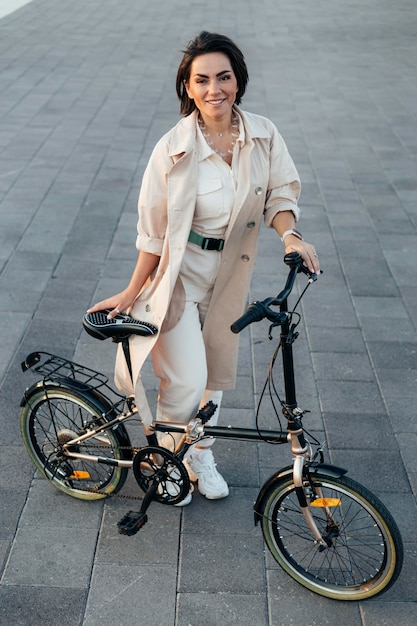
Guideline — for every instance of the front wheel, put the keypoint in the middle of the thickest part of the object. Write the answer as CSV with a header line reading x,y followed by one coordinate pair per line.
x,y
364,550
52,416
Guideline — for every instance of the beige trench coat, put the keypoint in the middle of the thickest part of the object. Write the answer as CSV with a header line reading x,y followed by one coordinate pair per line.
x,y
268,182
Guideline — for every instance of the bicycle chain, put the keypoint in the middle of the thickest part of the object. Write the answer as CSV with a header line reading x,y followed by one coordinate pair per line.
x,y
111,495
132,448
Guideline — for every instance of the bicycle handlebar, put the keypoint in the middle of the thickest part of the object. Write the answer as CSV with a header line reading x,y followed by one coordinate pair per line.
x,y
258,310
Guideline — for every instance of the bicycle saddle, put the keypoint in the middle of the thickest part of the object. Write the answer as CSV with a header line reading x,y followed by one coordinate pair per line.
x,y
100,327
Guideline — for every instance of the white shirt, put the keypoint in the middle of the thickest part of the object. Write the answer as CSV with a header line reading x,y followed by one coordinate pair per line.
x,y
216,187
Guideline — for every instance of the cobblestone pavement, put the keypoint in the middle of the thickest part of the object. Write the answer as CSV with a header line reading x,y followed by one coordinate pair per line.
x,y
86,89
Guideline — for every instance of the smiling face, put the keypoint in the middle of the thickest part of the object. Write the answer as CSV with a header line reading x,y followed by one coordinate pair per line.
x,y
213,86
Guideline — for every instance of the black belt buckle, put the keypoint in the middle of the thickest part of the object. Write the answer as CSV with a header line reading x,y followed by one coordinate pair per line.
x,y
212,244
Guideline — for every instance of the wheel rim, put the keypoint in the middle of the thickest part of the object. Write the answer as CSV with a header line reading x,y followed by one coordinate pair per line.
x,y
53,419
359,560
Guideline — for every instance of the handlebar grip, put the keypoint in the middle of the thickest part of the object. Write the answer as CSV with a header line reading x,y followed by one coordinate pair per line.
x,y
254,313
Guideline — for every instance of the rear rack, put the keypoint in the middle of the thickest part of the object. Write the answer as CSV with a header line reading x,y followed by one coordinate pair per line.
x,y
56,368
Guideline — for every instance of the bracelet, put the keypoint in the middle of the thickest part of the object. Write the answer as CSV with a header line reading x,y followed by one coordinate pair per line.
x,y
292,232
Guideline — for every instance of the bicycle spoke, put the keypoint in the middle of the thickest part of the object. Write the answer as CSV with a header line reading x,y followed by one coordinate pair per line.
x,y
51,418
362,557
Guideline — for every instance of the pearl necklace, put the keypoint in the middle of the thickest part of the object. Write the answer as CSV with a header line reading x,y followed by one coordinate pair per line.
x,y
234,134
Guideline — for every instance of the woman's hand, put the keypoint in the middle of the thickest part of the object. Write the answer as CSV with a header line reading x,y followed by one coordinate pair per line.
x,y
283,223
307,251
123,301
120,303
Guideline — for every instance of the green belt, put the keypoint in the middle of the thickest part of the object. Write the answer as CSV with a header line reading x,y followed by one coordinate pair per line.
x,y
206,243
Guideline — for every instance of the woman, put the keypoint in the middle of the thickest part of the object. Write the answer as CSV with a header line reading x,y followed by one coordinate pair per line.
x,y
209,182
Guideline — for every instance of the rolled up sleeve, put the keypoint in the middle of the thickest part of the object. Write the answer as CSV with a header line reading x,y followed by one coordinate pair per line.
x,y
284,186
152,204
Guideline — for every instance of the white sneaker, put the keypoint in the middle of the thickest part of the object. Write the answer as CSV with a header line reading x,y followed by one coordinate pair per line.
x,y
188,498
201,467
167,441
173,489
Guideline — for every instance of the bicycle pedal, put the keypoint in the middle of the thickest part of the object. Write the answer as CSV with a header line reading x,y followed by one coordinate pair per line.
x,y
207,411
131,523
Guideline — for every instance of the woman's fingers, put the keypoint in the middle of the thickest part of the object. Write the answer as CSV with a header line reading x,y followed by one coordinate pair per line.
x,y
309,254
116,305
111,303
314,261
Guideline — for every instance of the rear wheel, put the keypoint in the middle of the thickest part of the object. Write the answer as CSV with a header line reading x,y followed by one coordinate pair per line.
x,y
364,554
51,417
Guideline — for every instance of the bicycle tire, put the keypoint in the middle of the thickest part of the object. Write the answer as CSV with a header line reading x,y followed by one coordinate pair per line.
x,y
365,557
52,414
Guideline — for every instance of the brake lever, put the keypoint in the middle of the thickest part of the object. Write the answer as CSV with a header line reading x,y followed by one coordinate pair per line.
x,y
312,276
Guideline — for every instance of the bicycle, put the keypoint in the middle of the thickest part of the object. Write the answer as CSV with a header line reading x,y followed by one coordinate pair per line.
x,y
328,532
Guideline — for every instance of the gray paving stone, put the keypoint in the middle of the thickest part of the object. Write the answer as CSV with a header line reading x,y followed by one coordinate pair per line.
x,y
403,510
51,336
85,95
157,542
21,292
233,563
357,431
402,413
222,608
207,517
12,327
376,328
342,366
394,354
398,383
13,501
285,608
342,340
15,475
47,507
388,474
46,546
128,593
364,397
376,613
404,592
37,605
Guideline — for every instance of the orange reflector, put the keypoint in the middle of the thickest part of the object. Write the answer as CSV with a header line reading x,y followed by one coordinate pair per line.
x,y
80,475
323,502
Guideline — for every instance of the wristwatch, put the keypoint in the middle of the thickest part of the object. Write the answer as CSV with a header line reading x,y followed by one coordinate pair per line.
x,y
292,232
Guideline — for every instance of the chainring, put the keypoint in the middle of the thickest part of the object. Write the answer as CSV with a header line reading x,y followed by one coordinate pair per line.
x,y
155,463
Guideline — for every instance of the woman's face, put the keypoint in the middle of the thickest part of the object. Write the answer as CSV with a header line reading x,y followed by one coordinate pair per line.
x,y
212,86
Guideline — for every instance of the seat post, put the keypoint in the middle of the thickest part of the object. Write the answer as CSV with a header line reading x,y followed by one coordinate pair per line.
x,y
126,352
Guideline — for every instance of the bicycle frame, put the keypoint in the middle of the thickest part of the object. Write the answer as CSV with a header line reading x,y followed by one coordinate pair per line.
x,y
345,545
196,429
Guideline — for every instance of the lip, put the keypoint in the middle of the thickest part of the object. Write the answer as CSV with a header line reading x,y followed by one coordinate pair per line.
x,y
216,102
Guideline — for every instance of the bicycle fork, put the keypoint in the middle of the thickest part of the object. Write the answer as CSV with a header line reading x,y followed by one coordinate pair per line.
x,y
299,449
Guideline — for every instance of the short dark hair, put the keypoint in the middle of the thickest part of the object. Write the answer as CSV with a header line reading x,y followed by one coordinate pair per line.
x,y
205,43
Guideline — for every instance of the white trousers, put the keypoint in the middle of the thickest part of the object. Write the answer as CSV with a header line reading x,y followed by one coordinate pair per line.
x,y
179,355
